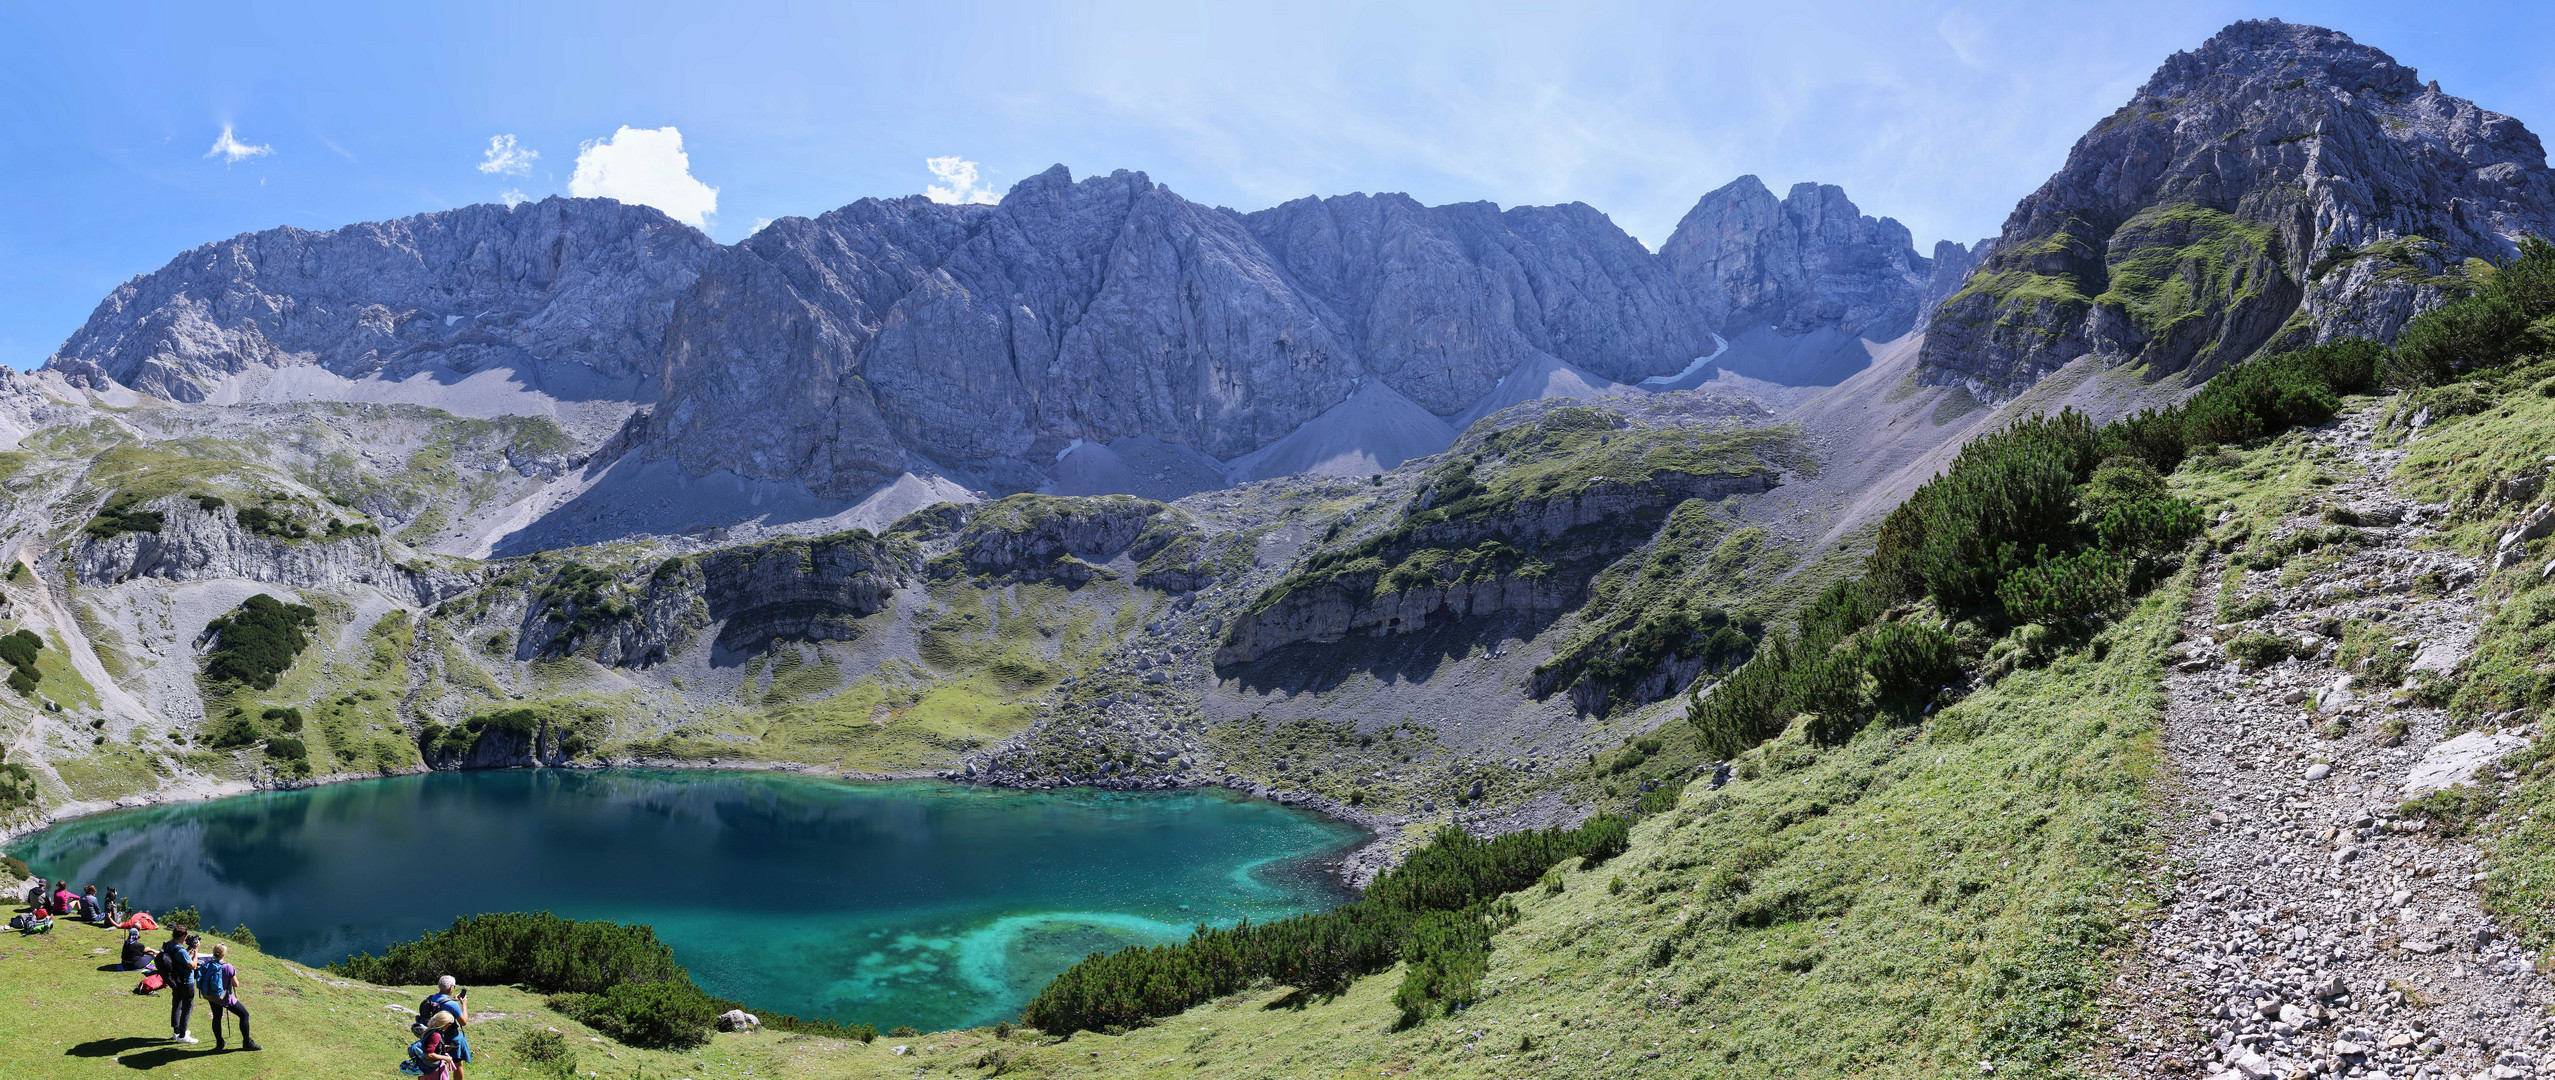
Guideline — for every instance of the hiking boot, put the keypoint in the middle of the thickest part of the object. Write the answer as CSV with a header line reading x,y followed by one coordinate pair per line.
x,y
251,1046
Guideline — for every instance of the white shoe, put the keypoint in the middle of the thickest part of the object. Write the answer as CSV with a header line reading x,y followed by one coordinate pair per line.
x,y
188,1039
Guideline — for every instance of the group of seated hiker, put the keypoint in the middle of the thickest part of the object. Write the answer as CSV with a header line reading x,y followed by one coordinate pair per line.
x,y
45,905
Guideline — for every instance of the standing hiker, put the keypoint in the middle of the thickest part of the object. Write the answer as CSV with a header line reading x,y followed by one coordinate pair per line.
x,y
219,983
177,972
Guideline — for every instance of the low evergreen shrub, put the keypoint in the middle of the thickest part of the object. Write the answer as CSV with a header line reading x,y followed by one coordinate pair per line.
x,y
257,641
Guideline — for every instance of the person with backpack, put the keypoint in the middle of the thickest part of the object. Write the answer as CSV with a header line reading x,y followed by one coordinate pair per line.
x,y
176,969
218,983
449,999
433,1056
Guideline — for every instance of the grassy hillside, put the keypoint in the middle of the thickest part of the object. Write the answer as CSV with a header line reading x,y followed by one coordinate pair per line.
x,y
1908,904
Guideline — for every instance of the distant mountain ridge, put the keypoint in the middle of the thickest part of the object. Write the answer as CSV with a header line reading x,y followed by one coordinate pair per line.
x,y
897,336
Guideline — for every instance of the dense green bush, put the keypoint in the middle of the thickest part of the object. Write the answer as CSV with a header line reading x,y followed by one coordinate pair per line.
x,y
19,651
537,949
17,788
2005,497
618,979
656,1015
2506,317
1442,898
2065,588
258,641
231,733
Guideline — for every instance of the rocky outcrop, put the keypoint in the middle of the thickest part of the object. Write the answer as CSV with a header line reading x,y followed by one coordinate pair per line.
x,y
2281,183
1952,267
1809,261
1053,537
580,283
194,543
802,588
1530,557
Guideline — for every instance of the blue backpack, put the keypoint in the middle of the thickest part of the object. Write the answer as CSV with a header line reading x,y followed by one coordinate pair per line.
x,y
213,979
416,1063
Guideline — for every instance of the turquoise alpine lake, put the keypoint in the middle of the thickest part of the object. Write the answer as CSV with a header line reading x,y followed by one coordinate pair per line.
x,y
933,905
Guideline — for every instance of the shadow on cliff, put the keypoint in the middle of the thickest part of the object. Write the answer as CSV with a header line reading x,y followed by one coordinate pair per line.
x,y
1319,667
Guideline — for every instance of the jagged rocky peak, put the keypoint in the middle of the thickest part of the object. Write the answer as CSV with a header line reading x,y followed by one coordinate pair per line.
x,y
1808,261
585,282
2280,184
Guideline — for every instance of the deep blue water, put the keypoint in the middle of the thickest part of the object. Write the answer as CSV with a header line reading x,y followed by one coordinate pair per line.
x,y
928,904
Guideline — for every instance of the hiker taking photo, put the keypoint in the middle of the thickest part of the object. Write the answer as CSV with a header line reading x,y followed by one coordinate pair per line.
x,y
176,969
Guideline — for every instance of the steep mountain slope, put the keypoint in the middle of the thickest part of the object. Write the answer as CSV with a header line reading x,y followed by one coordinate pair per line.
x,y
2281,183
905,337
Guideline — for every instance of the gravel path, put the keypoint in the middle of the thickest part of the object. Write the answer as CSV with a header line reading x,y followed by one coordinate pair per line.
x,y
2313,931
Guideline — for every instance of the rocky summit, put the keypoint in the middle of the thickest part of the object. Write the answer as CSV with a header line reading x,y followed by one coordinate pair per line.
x,y
2279,184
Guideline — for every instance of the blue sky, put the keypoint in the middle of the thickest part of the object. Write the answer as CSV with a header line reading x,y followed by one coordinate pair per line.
x,y
1938,114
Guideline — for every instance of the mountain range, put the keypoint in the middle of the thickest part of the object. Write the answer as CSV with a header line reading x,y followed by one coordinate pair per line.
x,y
1022,490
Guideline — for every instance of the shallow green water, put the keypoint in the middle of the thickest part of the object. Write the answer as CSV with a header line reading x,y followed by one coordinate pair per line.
x,y
934,905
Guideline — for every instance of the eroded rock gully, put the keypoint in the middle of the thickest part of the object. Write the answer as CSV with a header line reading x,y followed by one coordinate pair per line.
x,y
2312,930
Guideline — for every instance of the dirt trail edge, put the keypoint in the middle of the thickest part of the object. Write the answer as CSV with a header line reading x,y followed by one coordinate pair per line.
x,y
2314,932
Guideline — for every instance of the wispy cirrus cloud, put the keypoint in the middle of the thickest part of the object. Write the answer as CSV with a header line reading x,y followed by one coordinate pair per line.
x,y
505,157
232,151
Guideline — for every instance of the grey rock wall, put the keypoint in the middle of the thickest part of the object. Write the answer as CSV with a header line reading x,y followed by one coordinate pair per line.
x,y
895,336
1810,260
194,544
585,283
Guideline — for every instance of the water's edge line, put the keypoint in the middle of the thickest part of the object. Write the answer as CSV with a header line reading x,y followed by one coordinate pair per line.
x,y
1355,867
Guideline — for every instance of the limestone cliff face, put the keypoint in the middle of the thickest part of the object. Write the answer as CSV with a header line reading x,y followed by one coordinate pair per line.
x,y
560,283
195,544
902,335
1953,264
806,589
1532,557
1051,537
2281,183
1442,302
1808,261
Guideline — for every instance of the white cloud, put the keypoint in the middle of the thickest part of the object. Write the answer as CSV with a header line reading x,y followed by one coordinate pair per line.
x,y
232,151
759,223
506,158
958,182
637,165
513,198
